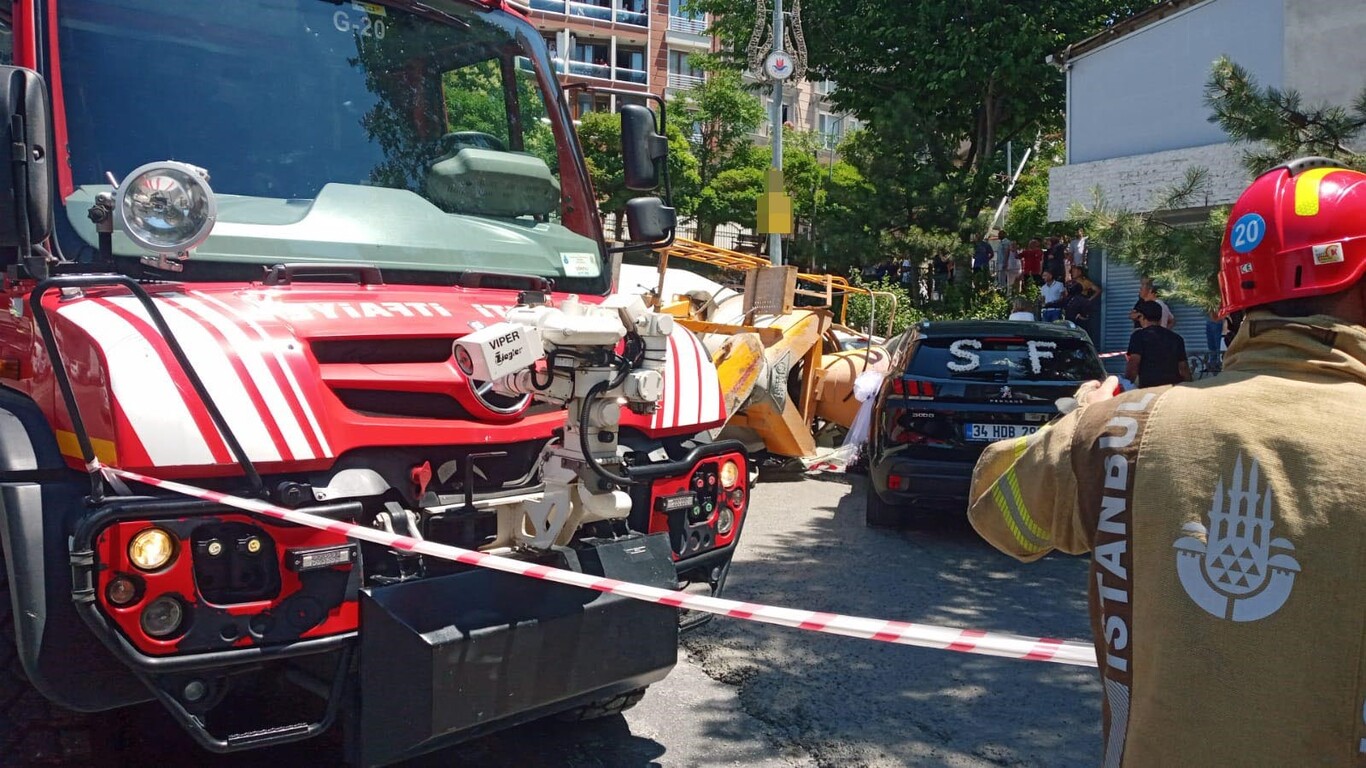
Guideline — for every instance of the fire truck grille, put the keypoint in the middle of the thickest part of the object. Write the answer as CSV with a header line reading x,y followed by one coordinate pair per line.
x,y
407,405
368,351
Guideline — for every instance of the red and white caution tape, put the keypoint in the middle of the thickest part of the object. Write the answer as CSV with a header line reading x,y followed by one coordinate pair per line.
x,y
922,635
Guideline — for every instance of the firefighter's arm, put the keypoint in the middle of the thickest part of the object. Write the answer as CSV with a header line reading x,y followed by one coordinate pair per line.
x,y
1024,491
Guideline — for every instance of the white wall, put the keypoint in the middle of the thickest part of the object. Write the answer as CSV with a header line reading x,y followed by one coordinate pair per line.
x,y
1325,58
1145,92
1135,181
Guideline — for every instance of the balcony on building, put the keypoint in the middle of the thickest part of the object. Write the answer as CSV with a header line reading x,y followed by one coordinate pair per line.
x,y
681,81
686,28
693,25
682,73
630,65
595,59
630,12
556,60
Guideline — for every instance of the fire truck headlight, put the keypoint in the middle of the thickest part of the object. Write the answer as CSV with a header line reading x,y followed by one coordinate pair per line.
x,y
166,207
151,549
730,475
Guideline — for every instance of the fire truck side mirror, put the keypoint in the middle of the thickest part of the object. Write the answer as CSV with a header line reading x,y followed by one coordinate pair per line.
x,y
25,185
650,221
641,148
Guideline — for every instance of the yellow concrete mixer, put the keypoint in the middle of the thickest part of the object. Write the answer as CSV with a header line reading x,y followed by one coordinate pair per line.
x,y
787,370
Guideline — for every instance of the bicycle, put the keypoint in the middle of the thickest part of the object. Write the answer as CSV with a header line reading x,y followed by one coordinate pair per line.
x,y
1205,364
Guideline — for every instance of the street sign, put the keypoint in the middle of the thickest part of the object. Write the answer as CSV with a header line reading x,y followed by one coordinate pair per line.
x,y
779,65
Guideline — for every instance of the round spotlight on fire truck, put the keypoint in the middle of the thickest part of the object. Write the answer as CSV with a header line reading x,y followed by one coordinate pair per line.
x,y
122,590
730,475
162,617
166,207
725,521
151,549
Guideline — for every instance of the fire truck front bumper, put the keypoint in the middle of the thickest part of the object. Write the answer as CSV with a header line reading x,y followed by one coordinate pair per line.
x,y
447,659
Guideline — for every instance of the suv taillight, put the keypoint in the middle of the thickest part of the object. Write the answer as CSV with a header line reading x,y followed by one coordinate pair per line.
x,y
913,388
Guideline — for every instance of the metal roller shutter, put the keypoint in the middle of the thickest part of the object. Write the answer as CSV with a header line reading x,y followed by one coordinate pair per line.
x,y
1120,283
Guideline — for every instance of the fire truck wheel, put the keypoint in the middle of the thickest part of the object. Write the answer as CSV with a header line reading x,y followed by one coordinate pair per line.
x,y
604,708
878,513
33,730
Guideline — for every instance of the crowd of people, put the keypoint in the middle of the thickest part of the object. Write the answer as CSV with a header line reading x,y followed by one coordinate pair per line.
x,y
1057,266
1014,265
911,278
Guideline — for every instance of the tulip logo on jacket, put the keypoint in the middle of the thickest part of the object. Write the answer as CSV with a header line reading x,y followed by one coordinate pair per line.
x,y
1235,569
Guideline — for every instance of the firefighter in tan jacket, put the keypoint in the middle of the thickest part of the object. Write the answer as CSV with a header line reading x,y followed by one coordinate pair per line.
x,y
1226,518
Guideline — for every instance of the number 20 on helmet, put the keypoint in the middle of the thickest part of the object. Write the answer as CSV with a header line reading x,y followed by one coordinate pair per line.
x,y
1298,231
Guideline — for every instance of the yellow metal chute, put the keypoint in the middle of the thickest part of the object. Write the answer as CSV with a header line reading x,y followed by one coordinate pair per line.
x,y
827,287
781,367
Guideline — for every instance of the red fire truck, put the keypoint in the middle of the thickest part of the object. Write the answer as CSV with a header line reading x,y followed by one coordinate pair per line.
x,y
241,240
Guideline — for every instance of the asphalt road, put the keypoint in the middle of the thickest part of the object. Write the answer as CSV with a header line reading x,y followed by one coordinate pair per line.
x,y
762,696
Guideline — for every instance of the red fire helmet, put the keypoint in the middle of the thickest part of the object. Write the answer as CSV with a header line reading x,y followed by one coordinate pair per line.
x,y
1299,230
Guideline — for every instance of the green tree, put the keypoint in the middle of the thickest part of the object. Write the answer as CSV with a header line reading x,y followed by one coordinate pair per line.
x,y
723,117
600,136
844,236
1274,126
941,85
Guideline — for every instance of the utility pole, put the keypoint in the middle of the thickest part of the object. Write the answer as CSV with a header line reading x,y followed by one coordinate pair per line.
x,y
775,240
775,64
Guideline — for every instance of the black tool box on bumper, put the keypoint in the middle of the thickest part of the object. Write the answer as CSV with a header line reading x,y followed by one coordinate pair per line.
x,y
445,659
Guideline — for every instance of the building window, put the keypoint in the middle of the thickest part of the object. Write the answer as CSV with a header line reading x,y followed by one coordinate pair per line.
x,y
683,74
630,65
590,59
676,9
831,129
686,21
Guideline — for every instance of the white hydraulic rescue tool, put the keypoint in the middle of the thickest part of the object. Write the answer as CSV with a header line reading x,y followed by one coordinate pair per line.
x,y
591,359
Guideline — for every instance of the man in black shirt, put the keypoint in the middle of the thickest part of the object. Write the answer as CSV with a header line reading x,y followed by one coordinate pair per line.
x,y
1157,355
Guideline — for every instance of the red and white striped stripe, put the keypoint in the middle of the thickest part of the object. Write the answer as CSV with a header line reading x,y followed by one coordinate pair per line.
x,y
692,389
275,404
903,633
273,346
142,387
245,371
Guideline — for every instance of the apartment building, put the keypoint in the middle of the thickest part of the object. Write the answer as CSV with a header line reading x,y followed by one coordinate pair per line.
x,y
807,107
648,46
631,45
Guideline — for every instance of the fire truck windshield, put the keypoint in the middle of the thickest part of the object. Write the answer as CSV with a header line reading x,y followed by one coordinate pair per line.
x,y
422,138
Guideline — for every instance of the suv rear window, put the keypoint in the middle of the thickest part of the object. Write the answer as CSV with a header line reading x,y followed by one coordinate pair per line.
x,y
1000,359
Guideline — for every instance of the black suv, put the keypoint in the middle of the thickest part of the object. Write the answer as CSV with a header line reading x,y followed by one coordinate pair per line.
x,y
952,388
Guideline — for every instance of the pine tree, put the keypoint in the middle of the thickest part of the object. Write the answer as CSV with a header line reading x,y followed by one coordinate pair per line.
x,y
1276,125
